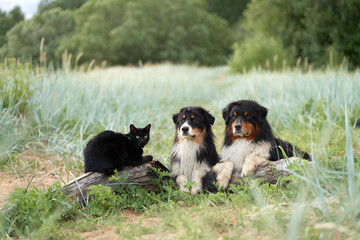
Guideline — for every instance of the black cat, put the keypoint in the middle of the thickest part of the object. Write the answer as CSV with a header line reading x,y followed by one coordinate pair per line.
x,y
109,150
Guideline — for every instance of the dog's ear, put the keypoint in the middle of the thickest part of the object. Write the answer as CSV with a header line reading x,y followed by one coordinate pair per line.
x,y
225,113
210,118
175,117
263,111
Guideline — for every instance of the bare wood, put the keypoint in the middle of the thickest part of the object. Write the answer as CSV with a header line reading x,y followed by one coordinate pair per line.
x,y
78,188
142,174
268,171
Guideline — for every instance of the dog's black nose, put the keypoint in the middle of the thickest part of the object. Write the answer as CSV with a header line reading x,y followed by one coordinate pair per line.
x,y
238,126
185,129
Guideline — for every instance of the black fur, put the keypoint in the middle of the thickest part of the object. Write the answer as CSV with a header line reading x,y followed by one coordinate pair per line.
x,y
109,150
357,124
201,120
256,115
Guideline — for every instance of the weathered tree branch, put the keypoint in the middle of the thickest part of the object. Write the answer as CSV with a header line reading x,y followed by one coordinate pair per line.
x,y
142,174
268,172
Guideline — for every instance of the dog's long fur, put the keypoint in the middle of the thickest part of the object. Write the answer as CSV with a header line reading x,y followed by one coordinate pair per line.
x,y
249,141
193,154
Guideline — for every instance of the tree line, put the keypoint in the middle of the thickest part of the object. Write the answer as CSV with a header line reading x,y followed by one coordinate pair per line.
x,y
242,33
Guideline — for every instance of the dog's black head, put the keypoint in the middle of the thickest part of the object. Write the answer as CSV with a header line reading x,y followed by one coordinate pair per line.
x,y
192,123
244,119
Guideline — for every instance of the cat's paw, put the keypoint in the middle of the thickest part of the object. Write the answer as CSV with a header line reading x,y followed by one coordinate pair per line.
x,y
147,158
108,172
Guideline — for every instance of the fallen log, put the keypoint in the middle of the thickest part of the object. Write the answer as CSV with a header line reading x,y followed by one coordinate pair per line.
x,y
268,172
142,174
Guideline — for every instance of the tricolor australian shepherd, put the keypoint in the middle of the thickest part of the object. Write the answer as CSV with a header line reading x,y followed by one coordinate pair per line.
x,y
249,141
193,154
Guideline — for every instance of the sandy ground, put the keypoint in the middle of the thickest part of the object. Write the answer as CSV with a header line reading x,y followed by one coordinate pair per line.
x,y
39,171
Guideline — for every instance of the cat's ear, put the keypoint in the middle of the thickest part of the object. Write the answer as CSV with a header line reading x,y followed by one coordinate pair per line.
x,y
132,128
148,128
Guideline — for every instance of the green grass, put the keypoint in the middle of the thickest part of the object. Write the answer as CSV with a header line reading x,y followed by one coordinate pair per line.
x,y
314,110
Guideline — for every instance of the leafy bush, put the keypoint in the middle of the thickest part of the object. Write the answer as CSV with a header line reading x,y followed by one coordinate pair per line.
x,y
16,85
321,31
102,199
8,20
35,213
155,30
23,40
259,51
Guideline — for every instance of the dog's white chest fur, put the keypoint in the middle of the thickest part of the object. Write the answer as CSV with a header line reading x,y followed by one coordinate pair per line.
x,y
187,152
241,148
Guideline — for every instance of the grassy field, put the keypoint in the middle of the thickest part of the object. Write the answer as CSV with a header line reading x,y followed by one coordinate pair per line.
x,y
46,118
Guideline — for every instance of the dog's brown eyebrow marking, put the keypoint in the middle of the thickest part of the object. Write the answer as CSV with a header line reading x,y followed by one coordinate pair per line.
x,y
183,116
246,113
235,114
192,116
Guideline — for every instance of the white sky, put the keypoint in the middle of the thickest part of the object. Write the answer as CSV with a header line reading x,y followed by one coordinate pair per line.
x,y
28,7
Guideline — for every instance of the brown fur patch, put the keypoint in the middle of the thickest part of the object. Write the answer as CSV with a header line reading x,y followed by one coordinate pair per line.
x,y
250,130
199,135
179,137
230,132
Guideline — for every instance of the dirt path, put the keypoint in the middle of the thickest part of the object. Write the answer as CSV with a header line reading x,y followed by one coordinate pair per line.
x,y
38,170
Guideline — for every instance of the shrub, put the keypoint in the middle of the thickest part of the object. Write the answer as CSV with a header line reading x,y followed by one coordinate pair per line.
x,y
16,85
258,51
36,212
311,28
121,32
24,39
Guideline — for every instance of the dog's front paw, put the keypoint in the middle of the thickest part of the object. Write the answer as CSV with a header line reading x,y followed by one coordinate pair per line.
x,y
195,190
223,180
184,189
181,181
247,170
224,171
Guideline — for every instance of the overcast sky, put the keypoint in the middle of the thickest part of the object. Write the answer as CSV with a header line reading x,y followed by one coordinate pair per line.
x,y
28,7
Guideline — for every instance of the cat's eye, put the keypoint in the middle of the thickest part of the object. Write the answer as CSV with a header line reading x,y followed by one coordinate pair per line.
x,y
137,137
145,137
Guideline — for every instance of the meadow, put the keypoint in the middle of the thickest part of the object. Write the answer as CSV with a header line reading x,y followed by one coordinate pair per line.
x,y
47,117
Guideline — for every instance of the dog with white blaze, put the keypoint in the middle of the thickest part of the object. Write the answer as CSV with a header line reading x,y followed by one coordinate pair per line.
x,y
193,154
249,141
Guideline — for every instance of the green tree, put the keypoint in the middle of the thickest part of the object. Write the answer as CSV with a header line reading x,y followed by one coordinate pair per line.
x,y
23,41
230,10
45,5
7,21
121,32
313,29
94,22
